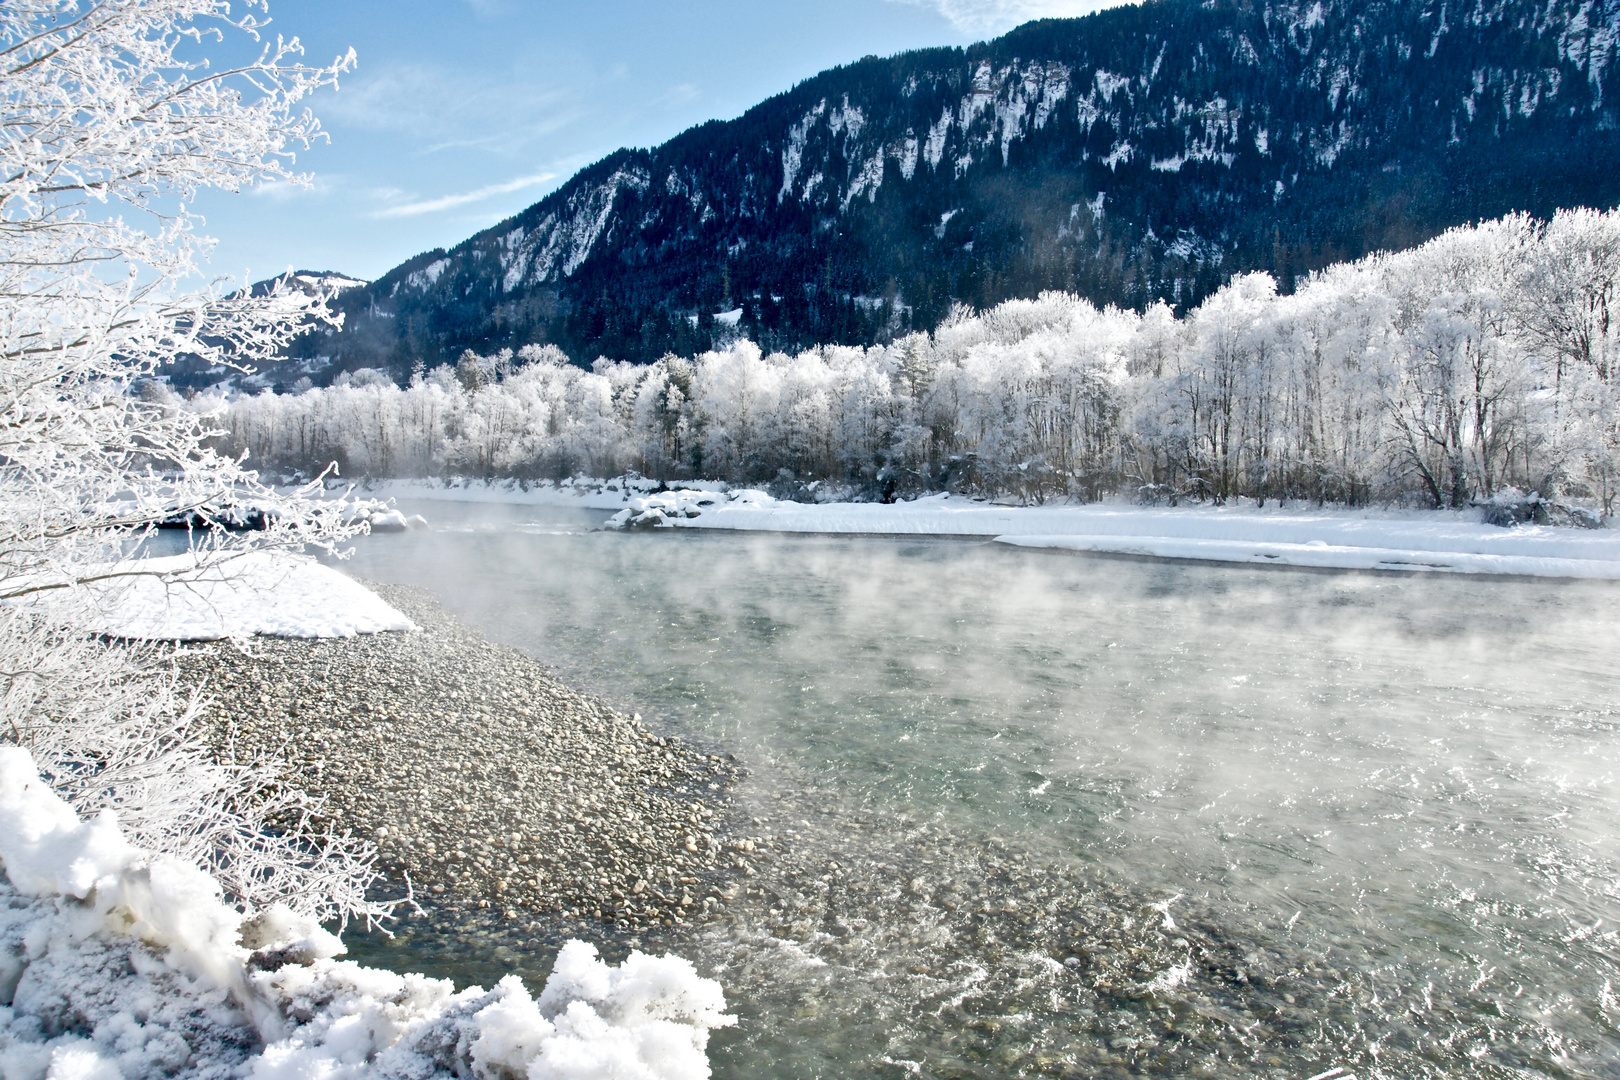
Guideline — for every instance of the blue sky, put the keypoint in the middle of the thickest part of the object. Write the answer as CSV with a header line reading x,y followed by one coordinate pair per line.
x,y
462,112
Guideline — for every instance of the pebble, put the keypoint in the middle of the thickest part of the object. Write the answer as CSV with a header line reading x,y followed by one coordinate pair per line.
x,y
482,779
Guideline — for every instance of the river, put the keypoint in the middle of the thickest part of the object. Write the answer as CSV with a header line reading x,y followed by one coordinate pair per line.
x,y
1057,815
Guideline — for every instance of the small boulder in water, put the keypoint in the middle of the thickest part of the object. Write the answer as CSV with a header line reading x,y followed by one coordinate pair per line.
x,y
387,521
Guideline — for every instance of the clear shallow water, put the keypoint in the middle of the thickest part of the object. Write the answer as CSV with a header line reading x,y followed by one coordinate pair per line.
x,y
1055,815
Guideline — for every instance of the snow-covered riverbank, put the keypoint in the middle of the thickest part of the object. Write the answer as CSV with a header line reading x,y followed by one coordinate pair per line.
x,y
1401,540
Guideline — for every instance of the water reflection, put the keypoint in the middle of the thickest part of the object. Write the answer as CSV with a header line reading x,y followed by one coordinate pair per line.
x,y
1039,814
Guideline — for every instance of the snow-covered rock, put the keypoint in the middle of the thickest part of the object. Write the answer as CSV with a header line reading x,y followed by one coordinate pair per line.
x,y
662,510
117,963
387,521
382,518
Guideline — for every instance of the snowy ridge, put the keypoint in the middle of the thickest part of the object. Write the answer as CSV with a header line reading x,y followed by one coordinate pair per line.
x,y
1003,104
115,963
1342,540
562,241
1240,125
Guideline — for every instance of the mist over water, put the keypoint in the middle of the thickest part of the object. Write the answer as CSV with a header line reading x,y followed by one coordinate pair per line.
x,y
1055,815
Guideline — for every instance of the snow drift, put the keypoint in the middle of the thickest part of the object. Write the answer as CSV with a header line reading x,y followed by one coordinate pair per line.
x,y
276,593
115,962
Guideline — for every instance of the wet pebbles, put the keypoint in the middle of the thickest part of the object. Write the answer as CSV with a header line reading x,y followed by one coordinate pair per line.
x,y
485,781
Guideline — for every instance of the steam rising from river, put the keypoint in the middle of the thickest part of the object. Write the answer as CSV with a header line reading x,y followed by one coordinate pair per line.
x,y
1053,814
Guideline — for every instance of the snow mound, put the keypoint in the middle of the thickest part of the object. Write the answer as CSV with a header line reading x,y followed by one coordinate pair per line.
x,y
116,963
665,509
267,592
384,519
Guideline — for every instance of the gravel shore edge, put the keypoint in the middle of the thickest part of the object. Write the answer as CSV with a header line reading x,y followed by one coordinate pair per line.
x,y
485,781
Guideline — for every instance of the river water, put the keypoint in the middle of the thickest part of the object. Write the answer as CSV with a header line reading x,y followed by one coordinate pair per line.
x,y
1051,815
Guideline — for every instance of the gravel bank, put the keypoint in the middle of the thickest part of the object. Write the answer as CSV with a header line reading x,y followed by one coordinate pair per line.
x,y
481,776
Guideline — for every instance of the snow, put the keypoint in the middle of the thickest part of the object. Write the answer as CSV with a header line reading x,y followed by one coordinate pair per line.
x,y
274,593
386,519
1322,538
428,276
793,149
1334,556
1120,154
117,963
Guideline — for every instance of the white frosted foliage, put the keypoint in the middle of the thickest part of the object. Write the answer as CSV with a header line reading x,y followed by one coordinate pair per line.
x,y
115,122
1483,365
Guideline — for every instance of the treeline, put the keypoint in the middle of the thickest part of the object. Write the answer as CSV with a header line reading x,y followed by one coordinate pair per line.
x,y
1482,361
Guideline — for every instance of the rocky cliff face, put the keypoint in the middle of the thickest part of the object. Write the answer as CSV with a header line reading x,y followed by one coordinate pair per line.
x,y
1138,154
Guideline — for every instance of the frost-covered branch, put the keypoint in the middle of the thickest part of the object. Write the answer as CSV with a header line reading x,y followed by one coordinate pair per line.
x,y
113,118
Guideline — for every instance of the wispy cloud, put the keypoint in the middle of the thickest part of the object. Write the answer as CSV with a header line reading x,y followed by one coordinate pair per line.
x,y
676,96
445,108
994,16
450,202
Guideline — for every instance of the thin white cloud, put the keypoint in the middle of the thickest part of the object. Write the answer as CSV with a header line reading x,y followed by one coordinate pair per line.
x,y
450,202
445,108
676,96
994,16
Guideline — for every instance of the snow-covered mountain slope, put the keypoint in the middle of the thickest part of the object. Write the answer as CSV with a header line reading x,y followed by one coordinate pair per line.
x,y
1144,152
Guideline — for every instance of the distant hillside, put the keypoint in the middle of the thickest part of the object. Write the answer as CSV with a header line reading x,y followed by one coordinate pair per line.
x,y
1142,153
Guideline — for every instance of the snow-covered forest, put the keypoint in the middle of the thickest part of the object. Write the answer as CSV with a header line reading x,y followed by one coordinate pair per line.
x,y
1484,359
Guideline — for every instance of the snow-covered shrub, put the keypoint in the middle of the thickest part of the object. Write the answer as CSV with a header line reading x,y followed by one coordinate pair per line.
x,y
112,730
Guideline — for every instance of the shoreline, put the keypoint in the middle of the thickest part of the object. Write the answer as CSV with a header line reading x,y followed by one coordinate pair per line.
x,y
487,783
1307,537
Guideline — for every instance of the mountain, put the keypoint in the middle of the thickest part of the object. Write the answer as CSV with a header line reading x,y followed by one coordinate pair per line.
x,y
191,372
1142,153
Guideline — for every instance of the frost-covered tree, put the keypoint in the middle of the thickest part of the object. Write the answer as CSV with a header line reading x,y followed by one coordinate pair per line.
x,y
109,135
1485,360
113,122
1567,303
